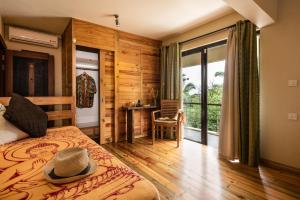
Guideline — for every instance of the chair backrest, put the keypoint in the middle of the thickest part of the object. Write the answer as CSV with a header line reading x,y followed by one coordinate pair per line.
x,y
180,117
169,108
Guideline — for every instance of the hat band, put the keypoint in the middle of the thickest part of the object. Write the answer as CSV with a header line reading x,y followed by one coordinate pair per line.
x,y
83,172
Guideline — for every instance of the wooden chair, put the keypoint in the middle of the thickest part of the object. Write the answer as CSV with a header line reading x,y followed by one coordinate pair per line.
x,y
171,119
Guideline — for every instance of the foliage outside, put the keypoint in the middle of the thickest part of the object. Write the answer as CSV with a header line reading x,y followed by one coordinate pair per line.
x,y
192,103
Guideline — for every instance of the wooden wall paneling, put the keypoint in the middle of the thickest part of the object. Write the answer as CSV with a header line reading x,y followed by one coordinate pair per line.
x,y
102,96
142,113
147,56
109,96
129,84
64,70
108,92
73,64
140,40
67,61
93,35
151,79
116,91
64,62
129,78
68,68
151,74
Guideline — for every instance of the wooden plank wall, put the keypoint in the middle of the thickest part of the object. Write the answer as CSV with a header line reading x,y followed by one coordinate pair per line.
x,y
68,60
67,51
138,73
131,70
151,79
109,93
94,36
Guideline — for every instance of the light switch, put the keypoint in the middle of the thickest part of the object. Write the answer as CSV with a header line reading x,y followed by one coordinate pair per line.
x,y
293,83
293,116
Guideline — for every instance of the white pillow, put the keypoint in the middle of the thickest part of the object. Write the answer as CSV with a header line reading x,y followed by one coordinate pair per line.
x,y
8,132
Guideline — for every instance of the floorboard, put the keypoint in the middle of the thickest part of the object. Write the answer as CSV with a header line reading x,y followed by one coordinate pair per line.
x,y
193,171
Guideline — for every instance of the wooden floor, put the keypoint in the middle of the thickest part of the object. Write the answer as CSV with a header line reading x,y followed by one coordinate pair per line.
x,y
193,171
195,135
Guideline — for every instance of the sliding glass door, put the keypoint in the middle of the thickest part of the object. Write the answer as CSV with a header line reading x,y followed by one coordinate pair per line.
x,y
202,73
191,95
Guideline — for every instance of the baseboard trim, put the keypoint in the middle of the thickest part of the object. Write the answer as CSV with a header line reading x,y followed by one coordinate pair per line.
x,y
279,166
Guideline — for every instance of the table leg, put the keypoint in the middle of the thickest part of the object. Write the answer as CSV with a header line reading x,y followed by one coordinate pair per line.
x,y
130,126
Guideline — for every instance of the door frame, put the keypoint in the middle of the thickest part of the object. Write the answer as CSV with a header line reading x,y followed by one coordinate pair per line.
x,y
203,52
9,55
100,86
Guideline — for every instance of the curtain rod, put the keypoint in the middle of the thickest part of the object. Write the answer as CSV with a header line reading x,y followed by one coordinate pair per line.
x,y
207,34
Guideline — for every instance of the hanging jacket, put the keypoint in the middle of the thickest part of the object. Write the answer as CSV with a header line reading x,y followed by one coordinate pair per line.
x,y
85,90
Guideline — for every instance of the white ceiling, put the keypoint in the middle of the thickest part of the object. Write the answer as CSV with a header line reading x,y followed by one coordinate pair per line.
x,y
156,19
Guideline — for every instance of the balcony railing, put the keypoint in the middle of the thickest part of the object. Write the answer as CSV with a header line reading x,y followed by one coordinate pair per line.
x,y
192,112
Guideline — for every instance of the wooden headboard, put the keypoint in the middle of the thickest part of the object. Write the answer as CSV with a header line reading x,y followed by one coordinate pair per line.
x,y
53,100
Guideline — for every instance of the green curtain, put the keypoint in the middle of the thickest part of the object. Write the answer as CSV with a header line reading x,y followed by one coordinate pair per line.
x,y
170,72
239,127
246,55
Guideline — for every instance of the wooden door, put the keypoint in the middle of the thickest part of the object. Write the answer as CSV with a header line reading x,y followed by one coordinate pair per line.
x,y
29,73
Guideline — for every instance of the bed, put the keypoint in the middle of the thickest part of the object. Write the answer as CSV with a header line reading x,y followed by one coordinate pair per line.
x,y
22,162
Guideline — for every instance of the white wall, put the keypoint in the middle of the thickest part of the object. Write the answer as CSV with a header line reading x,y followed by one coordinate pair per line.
x,y
269,6
206,28
280,61
260,12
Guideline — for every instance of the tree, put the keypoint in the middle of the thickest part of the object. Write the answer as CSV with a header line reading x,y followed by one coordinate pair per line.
x,y
193,106
188,88
219,74
214,97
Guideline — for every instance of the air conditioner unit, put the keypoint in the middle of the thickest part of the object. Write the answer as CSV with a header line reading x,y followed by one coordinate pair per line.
x,y
32,37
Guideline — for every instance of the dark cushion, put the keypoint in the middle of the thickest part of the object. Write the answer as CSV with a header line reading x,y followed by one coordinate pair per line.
x,y
27,116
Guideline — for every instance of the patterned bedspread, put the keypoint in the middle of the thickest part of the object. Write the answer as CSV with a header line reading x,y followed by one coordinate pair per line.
x,y
22,162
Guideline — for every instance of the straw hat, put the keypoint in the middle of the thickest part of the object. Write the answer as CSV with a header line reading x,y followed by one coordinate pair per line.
x,y
69,165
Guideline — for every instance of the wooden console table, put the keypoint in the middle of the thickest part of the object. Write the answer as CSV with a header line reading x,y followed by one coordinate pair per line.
x,y
130,120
